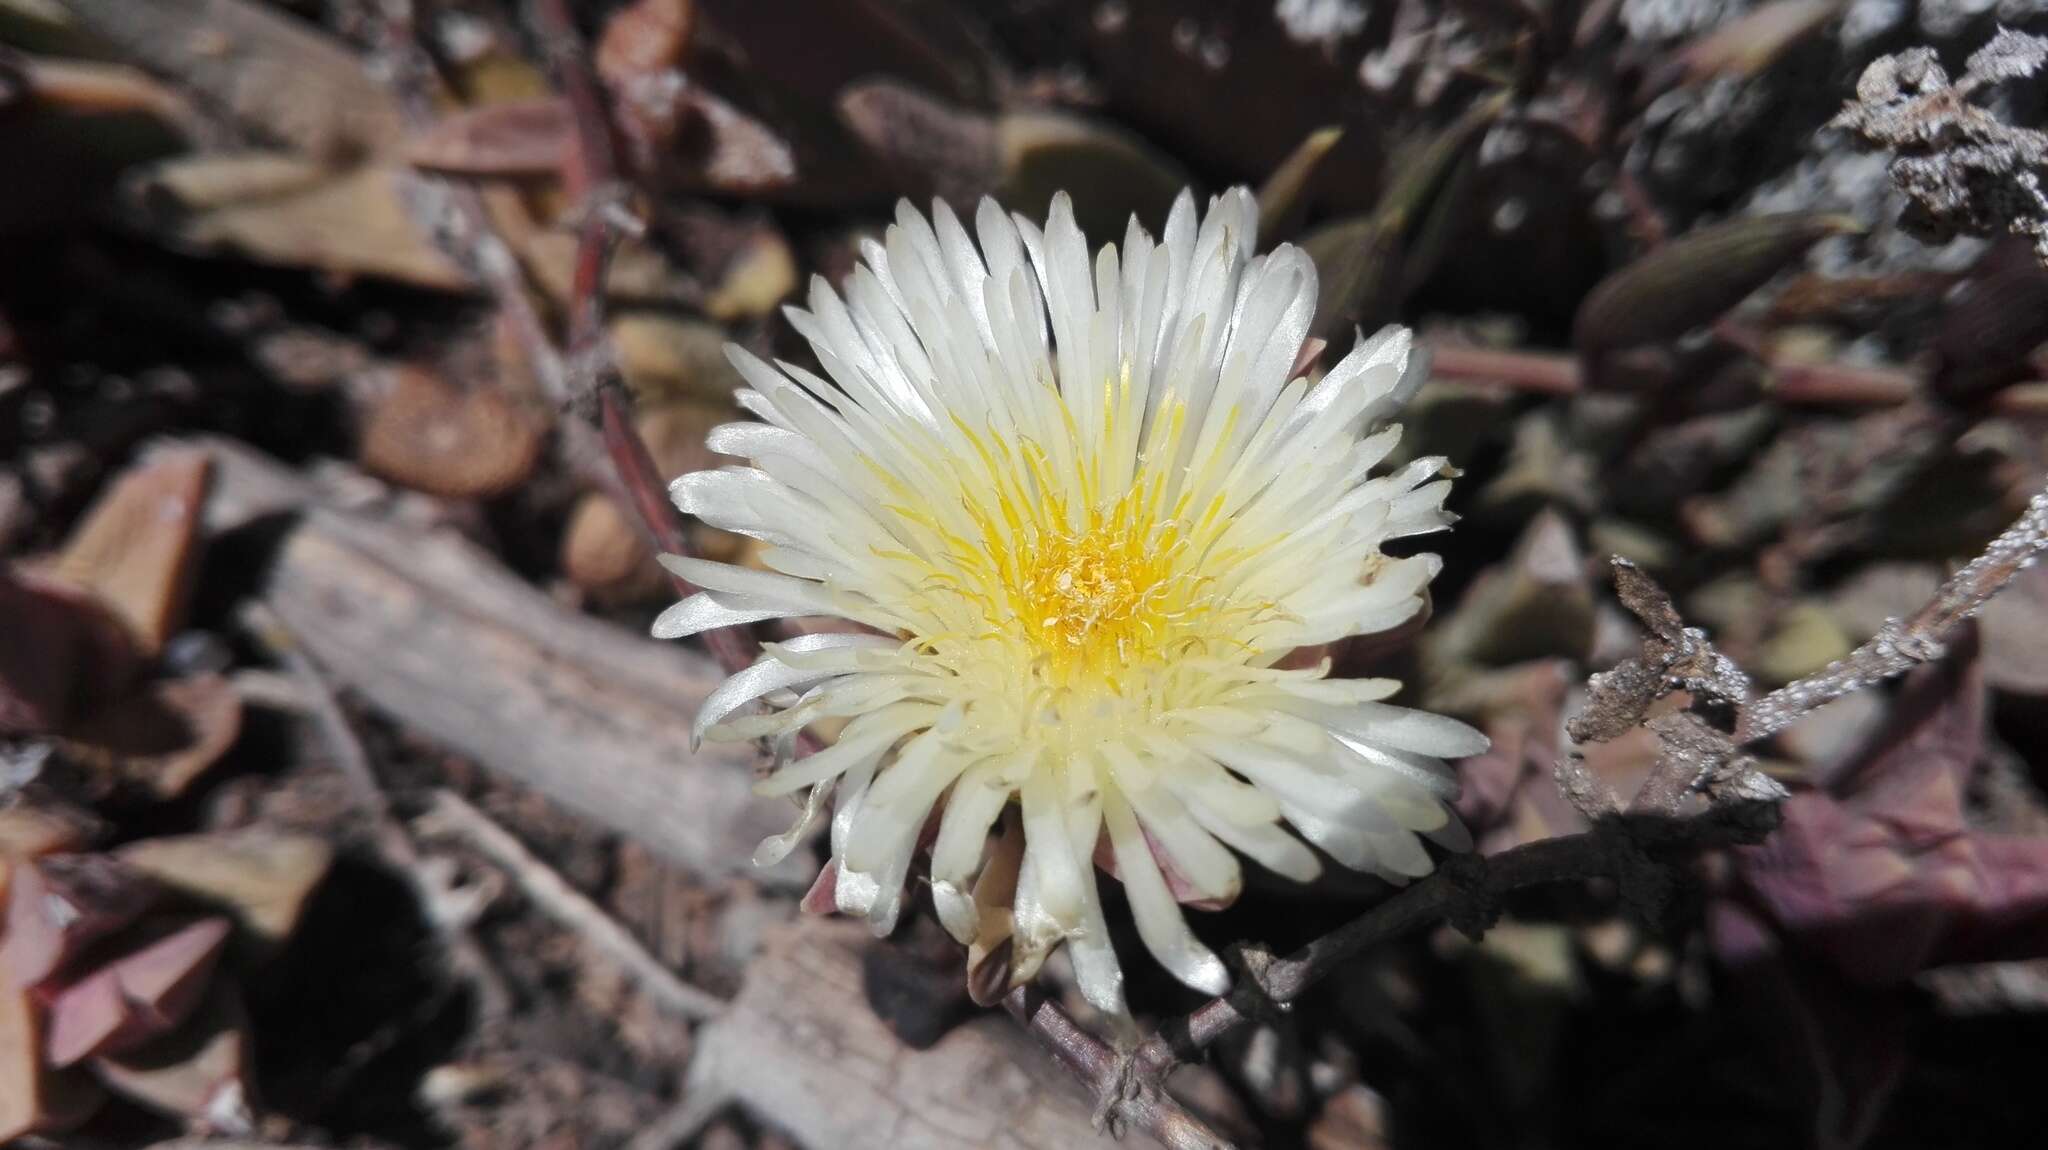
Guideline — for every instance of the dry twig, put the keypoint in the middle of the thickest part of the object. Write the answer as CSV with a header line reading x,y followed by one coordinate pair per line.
x,y
550,892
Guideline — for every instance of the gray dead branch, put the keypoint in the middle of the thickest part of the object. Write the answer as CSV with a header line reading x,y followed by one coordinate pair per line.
x,y
431,630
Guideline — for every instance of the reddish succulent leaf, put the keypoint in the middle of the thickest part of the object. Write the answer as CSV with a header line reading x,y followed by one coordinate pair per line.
x,y
138,546
524,138
164,737
1881,878
34,1098
134,998
60,645
57,906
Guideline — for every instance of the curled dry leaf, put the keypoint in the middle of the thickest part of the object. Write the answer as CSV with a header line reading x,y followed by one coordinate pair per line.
x,y
61,646
141,994
423,434
57,906
1696,277
138,548
164,737
722,149
263,878
272,72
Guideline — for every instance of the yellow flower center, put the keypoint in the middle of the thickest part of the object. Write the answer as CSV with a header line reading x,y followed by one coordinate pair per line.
x,y
1099,601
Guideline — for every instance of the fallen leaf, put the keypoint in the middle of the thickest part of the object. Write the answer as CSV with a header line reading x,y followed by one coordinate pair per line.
x,y
200,1072
1879,874
275,73
352,223
164,737
604,555
426,435
137,996
262,877
664,358
138,548
35,1098
59,905
61,647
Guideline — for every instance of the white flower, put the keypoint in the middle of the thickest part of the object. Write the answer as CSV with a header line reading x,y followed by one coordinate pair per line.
x,y
1088,515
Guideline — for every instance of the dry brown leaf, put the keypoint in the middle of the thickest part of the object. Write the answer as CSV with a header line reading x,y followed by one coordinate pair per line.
x,y
666,358
273,72
426,435
136,997
262,877
523,138
60,647
56,906
138,547
604,555
354,223
33,1097
164,737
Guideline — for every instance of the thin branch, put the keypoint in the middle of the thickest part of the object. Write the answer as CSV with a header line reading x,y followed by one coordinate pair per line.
x,y
1123,1100
552,893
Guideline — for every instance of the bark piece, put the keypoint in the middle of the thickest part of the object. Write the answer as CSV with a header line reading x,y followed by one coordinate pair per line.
x,y
593,717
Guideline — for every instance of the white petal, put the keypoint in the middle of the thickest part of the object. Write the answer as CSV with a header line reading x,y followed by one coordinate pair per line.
x,y
1158,916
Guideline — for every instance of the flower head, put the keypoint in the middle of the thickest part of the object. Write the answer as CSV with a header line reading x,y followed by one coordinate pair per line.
x,y
1085,513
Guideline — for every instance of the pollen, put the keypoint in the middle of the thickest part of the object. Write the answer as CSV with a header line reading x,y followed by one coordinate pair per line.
x,y
1096,602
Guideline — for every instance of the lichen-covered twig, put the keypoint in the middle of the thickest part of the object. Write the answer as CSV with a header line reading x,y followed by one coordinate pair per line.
x,y
1900,645
1965,169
